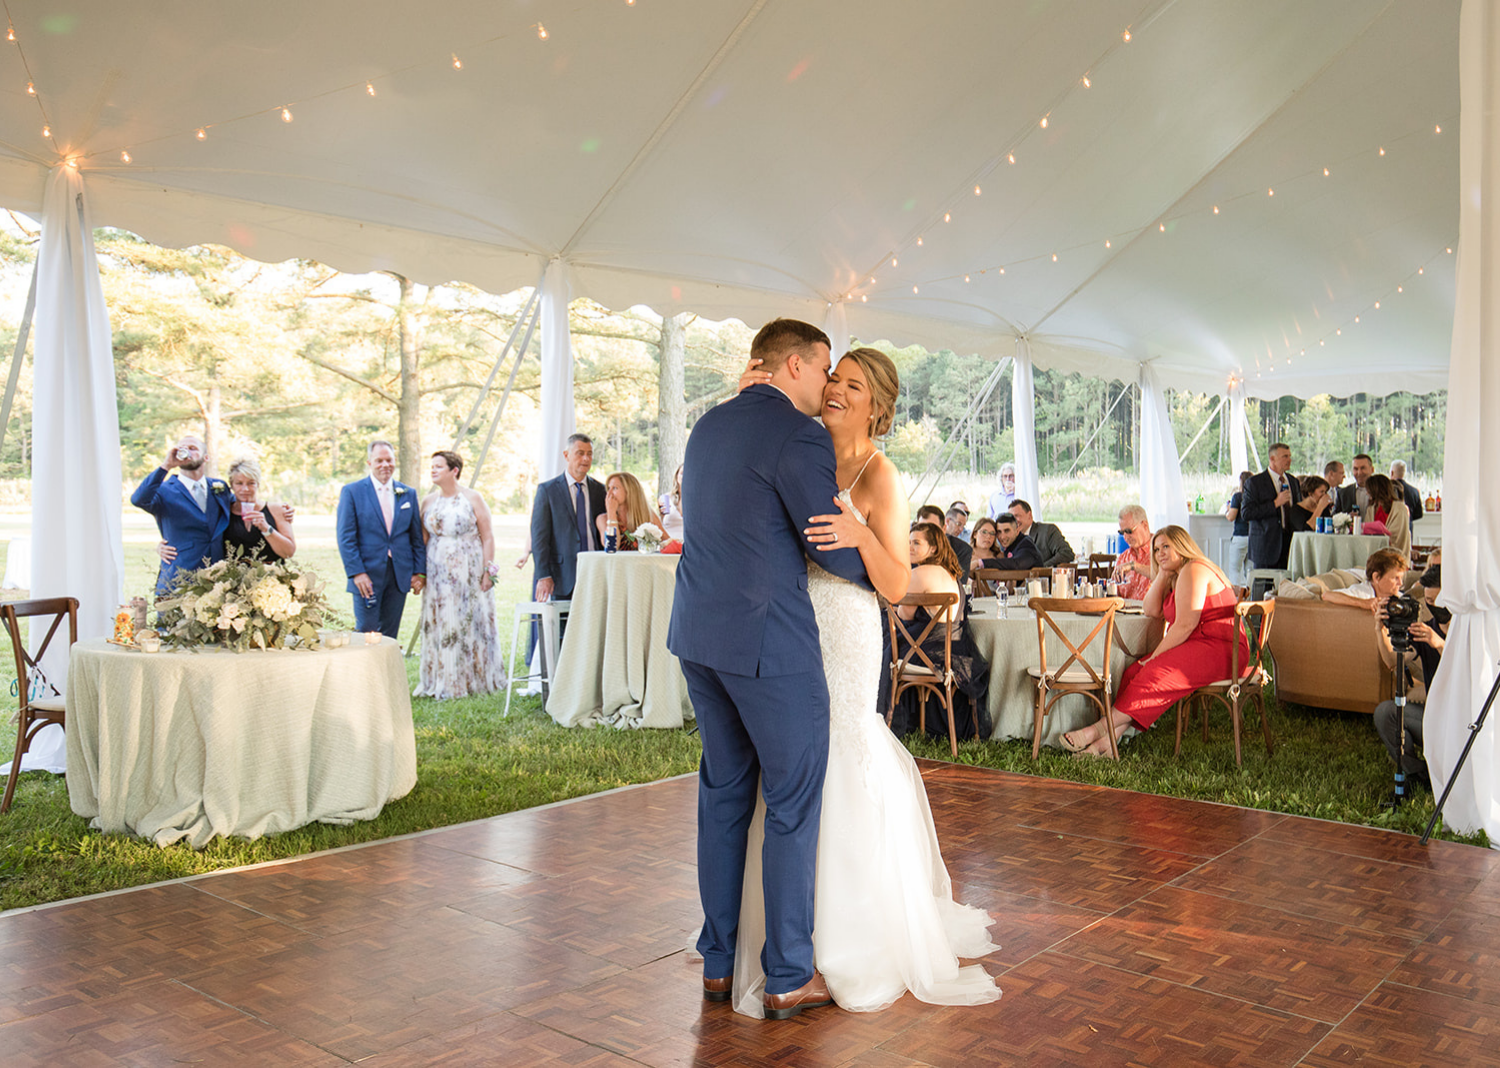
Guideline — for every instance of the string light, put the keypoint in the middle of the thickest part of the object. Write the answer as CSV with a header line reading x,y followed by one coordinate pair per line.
x,y
1400,290
913,289
541,32
1421,270
1325,172
919,240
966,278
1054,257
1270,192
1382,150
1356,318
947,216
1216,209
286,114
370,88
202,133
458,64
10,33
1126,36
893,261
977,191
46,131
1377,305
124,157
1002,269
1011,158
1044,122
1449,251
1162,227
864,299
30,89
1106,245
1437,129
1086,82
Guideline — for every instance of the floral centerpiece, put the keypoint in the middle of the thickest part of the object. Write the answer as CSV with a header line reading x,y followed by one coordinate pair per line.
x,y
243,603
648,538
1342,522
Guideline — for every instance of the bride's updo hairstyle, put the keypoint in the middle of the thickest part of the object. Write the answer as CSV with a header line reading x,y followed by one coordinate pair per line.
x,y
885,386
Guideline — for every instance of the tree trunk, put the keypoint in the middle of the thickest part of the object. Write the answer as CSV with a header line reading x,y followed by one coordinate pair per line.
x,y
671,401
214,439
409,411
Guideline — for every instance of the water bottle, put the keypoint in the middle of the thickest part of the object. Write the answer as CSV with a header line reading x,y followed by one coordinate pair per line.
x,y
611,534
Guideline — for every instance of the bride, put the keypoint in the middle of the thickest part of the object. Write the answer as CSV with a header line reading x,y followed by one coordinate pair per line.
x,y
884,919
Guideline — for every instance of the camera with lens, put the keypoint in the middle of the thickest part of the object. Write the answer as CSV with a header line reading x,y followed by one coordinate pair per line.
x,y
1400,613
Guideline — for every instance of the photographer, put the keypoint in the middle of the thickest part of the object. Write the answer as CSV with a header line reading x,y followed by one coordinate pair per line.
x,y
1422,636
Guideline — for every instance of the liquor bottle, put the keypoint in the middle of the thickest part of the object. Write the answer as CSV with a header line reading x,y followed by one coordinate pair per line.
x,y
1437,504
1198,504
1429,504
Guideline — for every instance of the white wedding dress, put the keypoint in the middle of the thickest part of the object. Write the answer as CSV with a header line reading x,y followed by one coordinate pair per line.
x,y
884,919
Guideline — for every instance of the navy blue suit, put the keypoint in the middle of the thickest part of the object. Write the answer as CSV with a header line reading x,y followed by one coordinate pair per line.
x,y
756,470
554,532
1270,527
390,559
197,536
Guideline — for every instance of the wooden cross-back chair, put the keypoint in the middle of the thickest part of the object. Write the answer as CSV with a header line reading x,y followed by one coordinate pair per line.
x,y
1076,674
913,669
1100,566
1246,681
986,579
44,707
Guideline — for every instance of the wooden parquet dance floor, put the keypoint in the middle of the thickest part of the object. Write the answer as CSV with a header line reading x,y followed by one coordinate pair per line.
x,y
1136,930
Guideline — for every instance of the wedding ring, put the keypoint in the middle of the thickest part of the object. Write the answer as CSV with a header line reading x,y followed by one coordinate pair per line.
x,y
834,537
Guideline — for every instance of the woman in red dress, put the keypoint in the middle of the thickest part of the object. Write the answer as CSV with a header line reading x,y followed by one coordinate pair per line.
x,y
1197,601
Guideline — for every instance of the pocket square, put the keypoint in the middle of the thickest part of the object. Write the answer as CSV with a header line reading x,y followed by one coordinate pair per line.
x,y
406,505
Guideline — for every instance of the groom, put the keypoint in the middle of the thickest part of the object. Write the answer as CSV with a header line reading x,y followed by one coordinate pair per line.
x,y
756,470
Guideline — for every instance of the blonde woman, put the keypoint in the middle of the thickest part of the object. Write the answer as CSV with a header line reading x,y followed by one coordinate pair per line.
x,y
1195,598
625,500
260,530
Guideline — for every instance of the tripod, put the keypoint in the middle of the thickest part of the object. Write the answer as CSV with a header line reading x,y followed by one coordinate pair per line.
x,y
1474,729
1400,645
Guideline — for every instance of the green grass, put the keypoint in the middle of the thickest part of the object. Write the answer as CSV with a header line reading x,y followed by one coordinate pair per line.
x,y
473,763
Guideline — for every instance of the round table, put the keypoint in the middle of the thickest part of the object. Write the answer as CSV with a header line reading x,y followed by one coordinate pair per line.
x,y
1316,554
189,745
614,666
1008,641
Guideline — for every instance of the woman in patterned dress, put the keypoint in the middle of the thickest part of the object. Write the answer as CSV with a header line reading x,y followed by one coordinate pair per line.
x,y
460,652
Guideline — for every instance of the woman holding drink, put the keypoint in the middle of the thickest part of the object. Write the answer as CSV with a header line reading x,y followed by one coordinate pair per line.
x,y
260,531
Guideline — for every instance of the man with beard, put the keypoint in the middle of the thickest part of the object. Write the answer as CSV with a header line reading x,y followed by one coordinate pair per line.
x,y
191,510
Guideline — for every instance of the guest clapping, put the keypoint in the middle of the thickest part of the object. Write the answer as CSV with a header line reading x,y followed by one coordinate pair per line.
x,y
626,503
460,651
1197,601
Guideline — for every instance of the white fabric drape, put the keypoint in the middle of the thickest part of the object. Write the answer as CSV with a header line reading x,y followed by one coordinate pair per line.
x,y
1160,467
1471,508
1241,444
558,416
77,549
1023,426
836,326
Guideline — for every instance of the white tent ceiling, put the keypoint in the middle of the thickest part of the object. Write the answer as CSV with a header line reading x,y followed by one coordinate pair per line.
x,y
757,157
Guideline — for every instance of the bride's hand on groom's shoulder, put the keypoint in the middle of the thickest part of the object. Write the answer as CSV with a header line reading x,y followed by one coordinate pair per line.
x,y
752,377
838,530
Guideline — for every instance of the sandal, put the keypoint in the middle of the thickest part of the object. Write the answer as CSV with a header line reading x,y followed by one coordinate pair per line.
x,y
1070,745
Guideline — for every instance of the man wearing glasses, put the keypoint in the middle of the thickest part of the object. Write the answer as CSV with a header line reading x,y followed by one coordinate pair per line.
x,y
1133,566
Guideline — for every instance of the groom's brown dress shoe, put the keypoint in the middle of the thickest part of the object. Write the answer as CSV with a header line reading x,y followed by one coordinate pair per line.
x,y
717,989
812,994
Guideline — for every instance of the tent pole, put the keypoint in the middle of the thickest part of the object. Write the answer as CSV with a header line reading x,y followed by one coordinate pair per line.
x,y
1102,423
500,408
495,370
1211,417
22,336
956,436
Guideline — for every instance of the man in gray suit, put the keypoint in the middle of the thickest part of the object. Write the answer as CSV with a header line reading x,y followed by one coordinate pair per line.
x,y
1049,541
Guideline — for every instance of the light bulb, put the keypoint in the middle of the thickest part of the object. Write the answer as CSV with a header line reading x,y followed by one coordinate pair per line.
x,y
1325,172
1162,227
46,131
73,162
1054,257
10,33
1086,82
1270,192
202,134
1002,270
30,89
1449,251
1216,209
1356,318
947,217
1382,150
1339,331
919,241
893,261
1421,270
1437,129
1011,159
286,114
124,157
864,299
1321,341
370,88
541,32
630,3
458,64
1400,290
1126,36
1107,244
966,278
1044,122
913,289
1377,305
977,191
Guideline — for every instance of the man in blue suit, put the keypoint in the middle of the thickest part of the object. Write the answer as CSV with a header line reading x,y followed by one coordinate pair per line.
x,y
380,541
562,521
757,469
191,510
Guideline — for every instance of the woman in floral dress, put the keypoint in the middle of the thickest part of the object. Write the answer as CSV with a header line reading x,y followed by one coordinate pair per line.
x,y
460,652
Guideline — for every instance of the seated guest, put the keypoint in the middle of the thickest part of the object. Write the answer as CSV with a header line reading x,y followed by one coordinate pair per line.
x,y
671,507
1387,507
626,503
1385,573
982,540
1409,493
1197,601
1133,566
1428,635
1017,551
936,570
1315,503
963,510
1050,544
259,530
1239,539
931,513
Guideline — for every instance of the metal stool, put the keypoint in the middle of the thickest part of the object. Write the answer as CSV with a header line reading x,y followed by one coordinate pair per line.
x,y
550,614
1263,579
